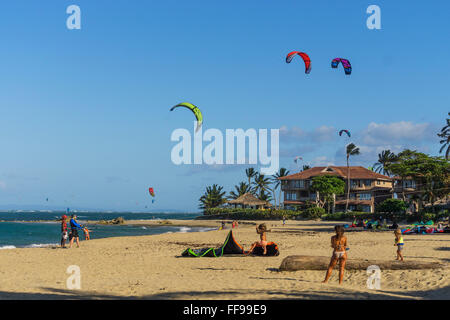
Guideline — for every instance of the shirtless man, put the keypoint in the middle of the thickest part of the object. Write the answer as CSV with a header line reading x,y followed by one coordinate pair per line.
x,y
339,245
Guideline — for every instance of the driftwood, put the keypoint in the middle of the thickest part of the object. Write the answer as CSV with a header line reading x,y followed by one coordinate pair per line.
x,y
294,263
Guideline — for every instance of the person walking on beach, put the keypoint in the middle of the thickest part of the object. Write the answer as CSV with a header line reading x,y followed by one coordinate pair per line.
x,y
339,245
284,221
399,243
64,234
74,226
261,230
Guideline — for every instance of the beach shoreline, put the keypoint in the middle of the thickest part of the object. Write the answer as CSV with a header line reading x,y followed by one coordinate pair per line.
x,y
151,267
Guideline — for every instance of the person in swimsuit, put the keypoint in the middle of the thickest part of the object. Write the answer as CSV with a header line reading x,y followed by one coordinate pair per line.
x,y
64,234
86,234
339,245
399,243
261,230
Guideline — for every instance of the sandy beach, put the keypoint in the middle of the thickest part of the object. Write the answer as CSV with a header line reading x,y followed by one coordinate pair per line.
x,y
150,267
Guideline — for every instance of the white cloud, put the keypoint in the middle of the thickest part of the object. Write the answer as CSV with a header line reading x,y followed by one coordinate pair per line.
x,y
403,132
321,161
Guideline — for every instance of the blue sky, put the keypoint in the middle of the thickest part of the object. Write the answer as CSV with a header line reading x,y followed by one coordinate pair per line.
x,y
85,114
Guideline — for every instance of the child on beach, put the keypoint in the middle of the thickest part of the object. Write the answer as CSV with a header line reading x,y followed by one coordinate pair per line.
x,y
339,245
399,243
261,230
86,234
64,234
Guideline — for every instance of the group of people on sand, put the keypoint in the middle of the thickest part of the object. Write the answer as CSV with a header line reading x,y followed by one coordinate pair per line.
x,y
73,234
338,243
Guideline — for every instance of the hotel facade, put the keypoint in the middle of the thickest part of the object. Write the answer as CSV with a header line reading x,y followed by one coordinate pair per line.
x,y
367,188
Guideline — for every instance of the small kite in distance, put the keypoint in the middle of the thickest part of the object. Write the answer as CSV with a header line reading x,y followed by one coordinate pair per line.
x,y
346,131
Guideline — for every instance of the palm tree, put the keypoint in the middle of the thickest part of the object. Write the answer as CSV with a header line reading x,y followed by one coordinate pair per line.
x,y
445,134
385,158
241,189
250,173
261,184
213,197
281,173
264,196
351,150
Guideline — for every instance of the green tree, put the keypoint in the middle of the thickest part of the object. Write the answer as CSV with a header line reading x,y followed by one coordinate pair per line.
x,y
240,189
431,174
385,158
306,167
392,206
283,172
445,141
327,187
351,150
250,173
213,197
261,183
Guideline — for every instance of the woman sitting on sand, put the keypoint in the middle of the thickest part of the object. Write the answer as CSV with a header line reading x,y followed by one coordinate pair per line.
x,y
339,245
261,230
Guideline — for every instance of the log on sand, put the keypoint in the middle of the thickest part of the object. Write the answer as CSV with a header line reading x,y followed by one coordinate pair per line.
x,y
294,263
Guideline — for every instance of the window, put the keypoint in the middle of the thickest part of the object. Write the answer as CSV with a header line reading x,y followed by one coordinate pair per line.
x,y
409,184
378,182
365,196
367,183
356,183
298,184
291,196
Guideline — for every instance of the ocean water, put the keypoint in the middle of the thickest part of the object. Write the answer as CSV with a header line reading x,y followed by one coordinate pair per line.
x,y
16,232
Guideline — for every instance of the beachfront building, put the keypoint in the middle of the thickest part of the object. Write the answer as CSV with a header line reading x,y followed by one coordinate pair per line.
x,y
248,200
412,192
367,188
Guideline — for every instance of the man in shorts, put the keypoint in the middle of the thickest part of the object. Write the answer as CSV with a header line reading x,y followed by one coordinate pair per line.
x,y
74,226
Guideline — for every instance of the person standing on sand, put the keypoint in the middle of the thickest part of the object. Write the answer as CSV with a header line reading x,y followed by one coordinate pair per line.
x,y
74,226
284,221
399,243
64,234
339,245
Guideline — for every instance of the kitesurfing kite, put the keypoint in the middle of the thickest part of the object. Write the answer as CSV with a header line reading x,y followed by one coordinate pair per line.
x,y
345,63
346,131
304,56
194,109
152,193
297,158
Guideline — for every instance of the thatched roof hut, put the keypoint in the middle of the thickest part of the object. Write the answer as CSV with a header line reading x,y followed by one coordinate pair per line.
x,y
249,200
